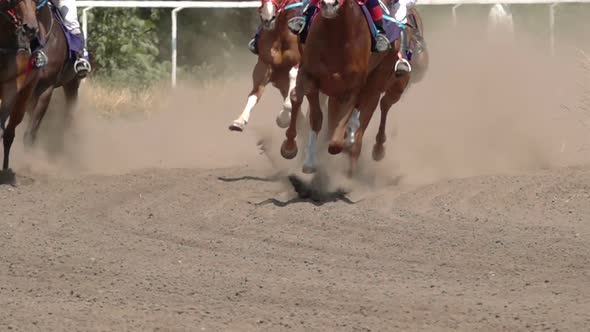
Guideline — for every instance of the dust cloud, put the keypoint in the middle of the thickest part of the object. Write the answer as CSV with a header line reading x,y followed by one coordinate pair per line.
x,y
487,106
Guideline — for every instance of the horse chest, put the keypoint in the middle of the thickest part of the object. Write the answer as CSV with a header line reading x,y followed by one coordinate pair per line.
x,y
336,78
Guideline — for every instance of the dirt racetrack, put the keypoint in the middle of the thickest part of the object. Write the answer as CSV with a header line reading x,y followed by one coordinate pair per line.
x,y
477,220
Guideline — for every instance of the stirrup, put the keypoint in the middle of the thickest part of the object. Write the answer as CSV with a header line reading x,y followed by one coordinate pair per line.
x,y
252,46
39,59
296,24
82,67
382,44
402,66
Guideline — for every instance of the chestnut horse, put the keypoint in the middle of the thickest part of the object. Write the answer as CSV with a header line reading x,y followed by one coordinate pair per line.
x,y
337,61
419,61
394,86
278,59
36,97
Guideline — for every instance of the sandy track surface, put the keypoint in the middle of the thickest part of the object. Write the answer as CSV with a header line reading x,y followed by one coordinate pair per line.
x,y
147,250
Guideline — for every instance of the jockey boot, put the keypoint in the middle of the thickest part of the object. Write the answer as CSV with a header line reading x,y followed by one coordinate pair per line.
x,y
402,66
252,46
382,44
82,64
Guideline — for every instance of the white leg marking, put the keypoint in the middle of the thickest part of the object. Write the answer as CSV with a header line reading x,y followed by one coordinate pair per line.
x,y
285,115
245,116
353,125
309,165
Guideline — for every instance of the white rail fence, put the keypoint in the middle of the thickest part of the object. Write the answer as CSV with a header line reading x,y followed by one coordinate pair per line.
x,y
177,6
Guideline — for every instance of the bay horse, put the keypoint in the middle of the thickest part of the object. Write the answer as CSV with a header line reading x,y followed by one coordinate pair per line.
x,y
19,26
278,59
59,72
338,61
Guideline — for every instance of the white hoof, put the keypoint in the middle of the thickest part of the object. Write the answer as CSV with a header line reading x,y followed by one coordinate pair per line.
x,y
238,125
284,119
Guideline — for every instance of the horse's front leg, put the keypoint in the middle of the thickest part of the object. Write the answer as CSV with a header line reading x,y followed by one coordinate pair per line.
x,y
36,117
284,117
289,146
260,78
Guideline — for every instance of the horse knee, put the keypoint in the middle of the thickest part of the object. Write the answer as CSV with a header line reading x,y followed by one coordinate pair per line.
x,y
296,98
389,99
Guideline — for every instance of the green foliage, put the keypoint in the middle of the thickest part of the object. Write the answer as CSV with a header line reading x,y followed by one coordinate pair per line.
x,y
124,46
131,46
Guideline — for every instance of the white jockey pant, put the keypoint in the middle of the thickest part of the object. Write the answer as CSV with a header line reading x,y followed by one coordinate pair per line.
x,y
69,11
400,9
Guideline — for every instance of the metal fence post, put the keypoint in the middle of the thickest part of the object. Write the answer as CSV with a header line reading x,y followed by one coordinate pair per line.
x,y
174,38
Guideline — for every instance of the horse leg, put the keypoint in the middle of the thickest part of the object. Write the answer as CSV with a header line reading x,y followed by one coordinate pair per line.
x,y
353,125
315,121
260,78
71,93
355,151
368,100
15,119
339,113
289,146
378,149
392,96
283,118
37,116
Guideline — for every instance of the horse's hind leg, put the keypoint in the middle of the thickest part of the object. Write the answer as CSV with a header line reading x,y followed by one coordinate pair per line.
x,y
37,116
260,78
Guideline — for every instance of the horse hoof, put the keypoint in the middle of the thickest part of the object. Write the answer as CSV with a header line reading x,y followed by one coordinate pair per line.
x,y
335,148
378,152
237,126
288,152
284,119
8,177
309,169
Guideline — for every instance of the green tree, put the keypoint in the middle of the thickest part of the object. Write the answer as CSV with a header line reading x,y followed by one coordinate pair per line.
x,y
123,43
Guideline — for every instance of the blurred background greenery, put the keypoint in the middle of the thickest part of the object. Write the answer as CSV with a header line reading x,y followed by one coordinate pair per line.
x,y
131,47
